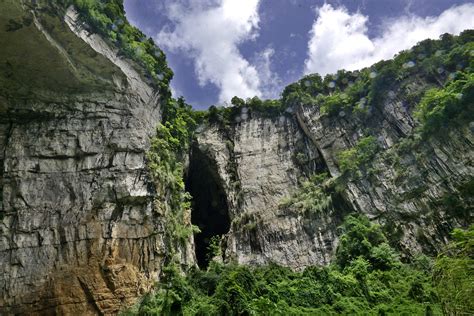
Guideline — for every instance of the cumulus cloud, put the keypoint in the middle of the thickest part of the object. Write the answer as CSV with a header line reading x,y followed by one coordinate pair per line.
x,y
270,82
210,31
339,39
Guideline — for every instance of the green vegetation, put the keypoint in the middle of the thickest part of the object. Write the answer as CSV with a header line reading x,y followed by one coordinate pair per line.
x,y
365,241
165,161
214,249
368,279
225,116
107,18
357,92
333,94
363,152
312,196
360,92
442,108
454,274
438,111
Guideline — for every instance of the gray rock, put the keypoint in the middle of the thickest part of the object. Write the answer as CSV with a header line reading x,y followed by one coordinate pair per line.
x,y
78,234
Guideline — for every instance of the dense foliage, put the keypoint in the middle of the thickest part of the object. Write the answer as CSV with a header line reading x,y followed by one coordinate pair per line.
x,y
359,155
359,92
454,274
107,17
452,104
166,163
242,109
368,279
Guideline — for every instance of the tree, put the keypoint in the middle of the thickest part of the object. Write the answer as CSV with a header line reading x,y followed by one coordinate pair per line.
x,y
362,239
236,101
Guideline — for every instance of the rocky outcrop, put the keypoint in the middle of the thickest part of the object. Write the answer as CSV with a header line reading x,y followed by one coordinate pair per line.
x,y
407,191
260,162
78,234
82,230
404,190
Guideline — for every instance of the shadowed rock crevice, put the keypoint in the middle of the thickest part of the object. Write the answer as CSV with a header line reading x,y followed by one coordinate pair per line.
x,y
210,207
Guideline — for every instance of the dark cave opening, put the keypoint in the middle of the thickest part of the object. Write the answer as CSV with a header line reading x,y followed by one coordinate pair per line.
x,y
209,204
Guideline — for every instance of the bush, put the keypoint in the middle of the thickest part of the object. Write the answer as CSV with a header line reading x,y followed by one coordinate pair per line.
x,y
454,274
362,239
363,152
441,108
359,287
311,197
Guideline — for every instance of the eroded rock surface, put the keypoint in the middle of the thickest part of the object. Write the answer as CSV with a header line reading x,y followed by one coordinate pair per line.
x,y
261,162
78,234
78,230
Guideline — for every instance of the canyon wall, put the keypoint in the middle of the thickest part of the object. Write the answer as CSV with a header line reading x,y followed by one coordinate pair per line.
x,y
263,161
81,229
78,234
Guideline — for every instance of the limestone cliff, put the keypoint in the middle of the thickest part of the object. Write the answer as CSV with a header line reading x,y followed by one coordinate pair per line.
x,y
257,167
418,189
84,229
77,230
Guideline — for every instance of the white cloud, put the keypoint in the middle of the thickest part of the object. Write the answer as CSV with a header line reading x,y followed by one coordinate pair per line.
x,y
270,82
339,39
209,31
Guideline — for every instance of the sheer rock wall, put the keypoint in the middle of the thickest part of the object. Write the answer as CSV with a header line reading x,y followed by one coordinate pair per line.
x,y
405,192
78,234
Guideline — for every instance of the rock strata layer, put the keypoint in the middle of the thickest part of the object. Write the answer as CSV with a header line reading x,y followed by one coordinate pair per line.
x,y
263,161
77,230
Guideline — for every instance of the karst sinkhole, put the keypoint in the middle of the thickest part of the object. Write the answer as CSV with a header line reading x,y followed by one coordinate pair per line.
x,y
209,204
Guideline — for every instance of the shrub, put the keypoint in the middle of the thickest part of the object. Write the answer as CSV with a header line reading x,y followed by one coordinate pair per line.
x,y
363,152
441,108
311,197
362,239
454,274
358,288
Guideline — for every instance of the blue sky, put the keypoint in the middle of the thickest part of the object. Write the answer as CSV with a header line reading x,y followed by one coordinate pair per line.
x,y
221,48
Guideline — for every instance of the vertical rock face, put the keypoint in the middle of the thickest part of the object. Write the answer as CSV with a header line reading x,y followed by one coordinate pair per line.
x,y
260,162
406,191
78,234
418,195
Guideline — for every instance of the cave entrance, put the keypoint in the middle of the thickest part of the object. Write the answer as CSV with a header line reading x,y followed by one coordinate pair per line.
x,y
209,204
